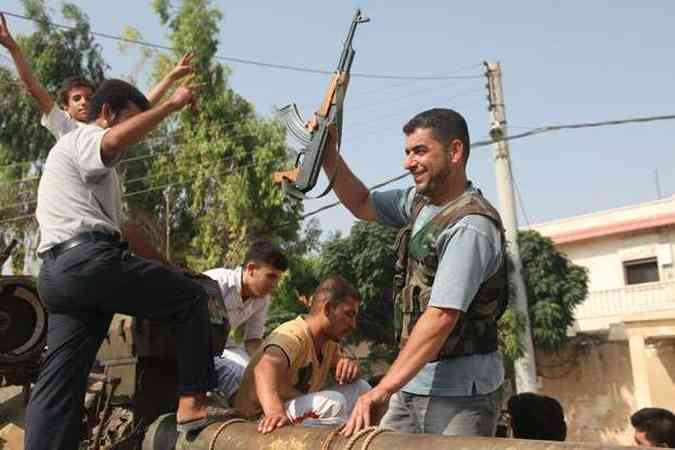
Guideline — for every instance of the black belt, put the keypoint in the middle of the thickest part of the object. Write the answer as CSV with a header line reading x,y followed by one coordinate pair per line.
x,y
82,238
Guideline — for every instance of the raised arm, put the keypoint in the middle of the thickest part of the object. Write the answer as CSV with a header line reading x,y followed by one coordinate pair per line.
x,y
273,365
39,93
181,69
132,131
351,191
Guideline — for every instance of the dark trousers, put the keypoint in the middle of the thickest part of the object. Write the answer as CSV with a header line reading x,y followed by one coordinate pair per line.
x,y
82,289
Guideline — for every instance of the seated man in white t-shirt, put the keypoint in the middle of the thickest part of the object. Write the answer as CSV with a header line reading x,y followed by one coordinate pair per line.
x,y
246,292
75,91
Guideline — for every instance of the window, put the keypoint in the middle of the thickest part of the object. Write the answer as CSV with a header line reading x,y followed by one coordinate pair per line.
x,y
641,271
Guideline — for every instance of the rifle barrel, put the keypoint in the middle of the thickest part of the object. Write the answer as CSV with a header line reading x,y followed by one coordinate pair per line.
x,y
345,63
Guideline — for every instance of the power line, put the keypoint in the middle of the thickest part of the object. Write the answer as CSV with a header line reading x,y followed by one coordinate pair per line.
x,y
539,130
165,139
521,203
134,180
372,188
370,105
130,194
259,63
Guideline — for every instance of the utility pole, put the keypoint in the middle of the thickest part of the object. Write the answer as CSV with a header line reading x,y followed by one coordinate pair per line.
x,y
525,367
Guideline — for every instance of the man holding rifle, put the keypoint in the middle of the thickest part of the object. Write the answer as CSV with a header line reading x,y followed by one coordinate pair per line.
x,y
451,286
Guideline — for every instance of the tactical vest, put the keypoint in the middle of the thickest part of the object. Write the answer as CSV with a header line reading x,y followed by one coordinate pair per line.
x,y
417,260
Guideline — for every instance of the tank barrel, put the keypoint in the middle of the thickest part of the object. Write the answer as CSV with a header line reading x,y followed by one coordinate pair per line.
x,y
245,435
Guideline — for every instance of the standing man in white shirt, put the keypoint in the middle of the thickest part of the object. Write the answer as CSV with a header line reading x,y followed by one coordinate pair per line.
x,y
88,273
75,91
246,292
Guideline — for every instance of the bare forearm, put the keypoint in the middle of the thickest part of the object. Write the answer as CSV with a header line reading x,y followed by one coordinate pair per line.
x,y
36,89
156,93
132,131
427,337
349,189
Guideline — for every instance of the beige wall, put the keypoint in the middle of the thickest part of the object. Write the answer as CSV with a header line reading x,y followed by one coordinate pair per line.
x,y
604,257
594,384
595,390
661,369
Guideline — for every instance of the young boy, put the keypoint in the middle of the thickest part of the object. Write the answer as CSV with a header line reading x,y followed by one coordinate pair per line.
x,y
246,293
75,92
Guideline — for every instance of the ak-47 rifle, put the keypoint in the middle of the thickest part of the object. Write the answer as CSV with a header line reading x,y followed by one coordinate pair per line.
x,y
314,137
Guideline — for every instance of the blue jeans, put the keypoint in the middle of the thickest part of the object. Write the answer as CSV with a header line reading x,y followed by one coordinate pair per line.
x,y
474,415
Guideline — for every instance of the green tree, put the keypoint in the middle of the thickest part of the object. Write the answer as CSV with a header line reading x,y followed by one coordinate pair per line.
x,y
53,54
300,280
366,258
555,286
219,158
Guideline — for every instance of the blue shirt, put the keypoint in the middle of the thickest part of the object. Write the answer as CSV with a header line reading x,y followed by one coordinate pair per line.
x,y
469,253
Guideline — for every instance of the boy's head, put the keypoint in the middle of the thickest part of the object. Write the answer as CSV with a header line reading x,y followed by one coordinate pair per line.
x,y
335,304
114,102
73,97
654,427
263,266
537,417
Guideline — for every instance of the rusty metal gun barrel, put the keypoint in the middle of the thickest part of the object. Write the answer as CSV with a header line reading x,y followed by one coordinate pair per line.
x,y
244,436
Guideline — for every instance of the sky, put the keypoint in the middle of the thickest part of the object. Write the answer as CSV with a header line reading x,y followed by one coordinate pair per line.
x,y
562,62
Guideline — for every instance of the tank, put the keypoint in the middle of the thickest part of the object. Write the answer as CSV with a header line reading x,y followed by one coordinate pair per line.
x,y
23,330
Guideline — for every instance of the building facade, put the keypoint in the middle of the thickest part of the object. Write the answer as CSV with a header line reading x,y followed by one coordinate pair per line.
x,y
622,357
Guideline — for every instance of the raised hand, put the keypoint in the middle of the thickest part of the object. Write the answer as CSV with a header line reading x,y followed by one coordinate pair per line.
x,y
186,94
182,68
6,38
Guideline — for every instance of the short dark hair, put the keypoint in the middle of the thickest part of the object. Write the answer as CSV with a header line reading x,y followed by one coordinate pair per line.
x,y
264,252
446,125
537,417
334,290
117,94
70,83
657,424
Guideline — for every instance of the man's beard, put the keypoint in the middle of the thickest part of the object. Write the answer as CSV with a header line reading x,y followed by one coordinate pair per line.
x,y
436,183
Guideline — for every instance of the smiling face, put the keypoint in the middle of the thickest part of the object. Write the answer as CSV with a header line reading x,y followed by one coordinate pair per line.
x,y
431,163
78,99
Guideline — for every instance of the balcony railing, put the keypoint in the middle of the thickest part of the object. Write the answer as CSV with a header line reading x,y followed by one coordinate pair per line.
x,y
601,307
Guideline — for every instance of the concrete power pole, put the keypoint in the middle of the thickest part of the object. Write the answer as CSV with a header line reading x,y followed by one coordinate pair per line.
x,y
526,371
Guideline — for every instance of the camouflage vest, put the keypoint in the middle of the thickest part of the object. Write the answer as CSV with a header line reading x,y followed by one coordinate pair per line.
x,y
417,260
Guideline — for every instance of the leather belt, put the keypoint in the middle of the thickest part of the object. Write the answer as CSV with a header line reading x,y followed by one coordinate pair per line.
x,y
79,239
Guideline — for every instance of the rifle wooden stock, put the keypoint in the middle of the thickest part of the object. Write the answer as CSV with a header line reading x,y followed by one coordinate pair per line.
x,y
288,175
341,78
304,177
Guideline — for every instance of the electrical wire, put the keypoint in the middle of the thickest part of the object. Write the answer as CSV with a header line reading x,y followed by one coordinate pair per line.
x,y
255,62
520,198
539,130
130,194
